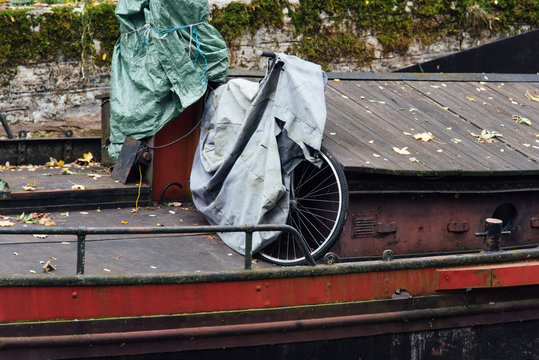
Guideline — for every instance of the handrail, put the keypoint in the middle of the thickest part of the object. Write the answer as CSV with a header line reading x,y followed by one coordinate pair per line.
x,y
83,231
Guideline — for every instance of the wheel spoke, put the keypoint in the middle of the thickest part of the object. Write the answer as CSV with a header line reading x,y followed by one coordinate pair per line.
x,y
319,201
318,217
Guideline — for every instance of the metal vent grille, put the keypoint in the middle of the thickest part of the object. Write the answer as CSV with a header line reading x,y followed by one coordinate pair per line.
x,y
363,226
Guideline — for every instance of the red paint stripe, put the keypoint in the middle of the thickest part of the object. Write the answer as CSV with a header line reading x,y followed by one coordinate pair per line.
x,y
525,274
487,276
48,303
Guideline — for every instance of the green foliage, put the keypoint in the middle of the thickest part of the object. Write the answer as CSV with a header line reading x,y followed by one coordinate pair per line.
x,y
26,38
238,18
329,30
332,45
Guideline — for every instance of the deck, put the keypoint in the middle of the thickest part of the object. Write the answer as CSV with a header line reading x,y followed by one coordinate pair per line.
x,y
118,253
372,116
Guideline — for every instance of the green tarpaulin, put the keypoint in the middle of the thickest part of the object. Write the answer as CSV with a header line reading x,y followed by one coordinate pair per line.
x,y
165,56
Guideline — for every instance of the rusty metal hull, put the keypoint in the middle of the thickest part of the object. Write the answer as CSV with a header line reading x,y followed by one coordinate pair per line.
x,y
453,302
411,223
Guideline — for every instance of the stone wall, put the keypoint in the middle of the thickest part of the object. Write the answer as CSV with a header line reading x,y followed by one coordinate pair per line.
x,y
47,98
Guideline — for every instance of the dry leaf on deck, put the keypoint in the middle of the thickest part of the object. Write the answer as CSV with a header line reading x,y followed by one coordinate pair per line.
x,y
425,136
6,223
46,221
86,158
521,120
403,151
29,187
532,97
49,266
487,135
78,187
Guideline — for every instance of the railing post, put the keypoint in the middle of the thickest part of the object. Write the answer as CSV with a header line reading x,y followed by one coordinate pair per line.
x,y
81,249
248,249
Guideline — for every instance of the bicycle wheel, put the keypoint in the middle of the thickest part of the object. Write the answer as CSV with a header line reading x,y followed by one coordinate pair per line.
x,y
318,207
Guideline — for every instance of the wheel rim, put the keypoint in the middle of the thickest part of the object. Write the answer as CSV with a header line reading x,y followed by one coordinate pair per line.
x,y
316,205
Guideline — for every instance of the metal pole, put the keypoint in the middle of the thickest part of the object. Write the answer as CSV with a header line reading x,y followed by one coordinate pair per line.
x,y
81,249
248,249
6,127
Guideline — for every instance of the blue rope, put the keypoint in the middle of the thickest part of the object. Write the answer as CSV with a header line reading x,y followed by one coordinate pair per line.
x,y
203,77
197,42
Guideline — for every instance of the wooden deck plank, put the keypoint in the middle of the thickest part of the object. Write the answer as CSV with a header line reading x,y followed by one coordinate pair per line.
x,y
370,123
414,122
347,124
464,105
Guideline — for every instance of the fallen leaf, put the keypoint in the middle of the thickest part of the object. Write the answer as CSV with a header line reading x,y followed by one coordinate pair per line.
x,y
32,271
172,212
49,266
470,98
46,221
425,136
40,236
124,222
531,97
66,172
78,187
86,158
487,135
403,151
29,187
15,253
95,176
336,80
521,120
6,223
406,133
54,163
526,145
107,270
456,141
376,155
64,214
65,243
413,159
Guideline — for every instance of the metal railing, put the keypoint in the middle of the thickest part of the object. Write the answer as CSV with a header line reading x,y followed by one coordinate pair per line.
x,y
82,231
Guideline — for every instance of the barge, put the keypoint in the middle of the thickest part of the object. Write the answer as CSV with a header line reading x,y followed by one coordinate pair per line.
x,y
437,256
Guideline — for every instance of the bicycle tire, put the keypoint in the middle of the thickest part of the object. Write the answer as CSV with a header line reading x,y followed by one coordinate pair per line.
x,y
318,209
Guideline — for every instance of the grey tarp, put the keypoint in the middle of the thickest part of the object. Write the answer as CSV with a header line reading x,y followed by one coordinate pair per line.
x,y
166,54
252,135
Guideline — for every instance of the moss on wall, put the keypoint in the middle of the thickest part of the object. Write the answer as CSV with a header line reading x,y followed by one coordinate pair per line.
x,y
26,38
329,31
